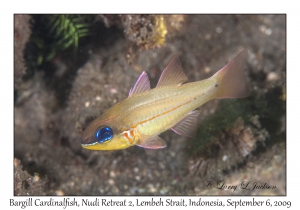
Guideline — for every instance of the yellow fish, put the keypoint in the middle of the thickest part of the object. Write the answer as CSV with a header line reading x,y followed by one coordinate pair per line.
x,y
146,113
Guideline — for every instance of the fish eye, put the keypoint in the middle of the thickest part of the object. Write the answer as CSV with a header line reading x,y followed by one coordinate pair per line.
x,y
103,134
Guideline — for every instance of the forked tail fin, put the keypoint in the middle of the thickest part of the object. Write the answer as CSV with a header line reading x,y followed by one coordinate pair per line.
x,y
231,82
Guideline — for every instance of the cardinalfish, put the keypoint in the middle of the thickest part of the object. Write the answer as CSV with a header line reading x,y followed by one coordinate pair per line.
x,y
146,113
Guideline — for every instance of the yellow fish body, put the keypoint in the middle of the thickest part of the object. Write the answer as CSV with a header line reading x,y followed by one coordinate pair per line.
x,y
146,113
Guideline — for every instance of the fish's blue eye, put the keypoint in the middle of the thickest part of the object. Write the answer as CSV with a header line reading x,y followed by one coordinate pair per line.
x,y
104,134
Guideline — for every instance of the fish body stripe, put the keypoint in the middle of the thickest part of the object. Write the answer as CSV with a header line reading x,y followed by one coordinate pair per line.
x,y
166,112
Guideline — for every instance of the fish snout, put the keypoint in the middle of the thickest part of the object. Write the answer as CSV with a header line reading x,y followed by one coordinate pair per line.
x,y
87,140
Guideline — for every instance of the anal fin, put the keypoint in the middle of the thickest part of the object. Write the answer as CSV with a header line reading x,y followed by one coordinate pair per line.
x,y
188,125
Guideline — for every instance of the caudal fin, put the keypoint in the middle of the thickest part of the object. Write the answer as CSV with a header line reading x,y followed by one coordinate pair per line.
x,y
231,82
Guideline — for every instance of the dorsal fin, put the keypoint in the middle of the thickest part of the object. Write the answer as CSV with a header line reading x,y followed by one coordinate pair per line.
x,y
172,74
141,85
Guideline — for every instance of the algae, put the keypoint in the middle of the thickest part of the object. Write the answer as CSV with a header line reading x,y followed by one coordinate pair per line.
x,y
53,35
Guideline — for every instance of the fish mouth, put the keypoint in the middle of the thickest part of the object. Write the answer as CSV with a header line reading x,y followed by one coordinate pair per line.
x,y
87,141
87,145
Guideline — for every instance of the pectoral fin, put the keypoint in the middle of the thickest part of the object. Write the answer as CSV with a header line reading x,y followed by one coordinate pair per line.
x,y
187,126
152,142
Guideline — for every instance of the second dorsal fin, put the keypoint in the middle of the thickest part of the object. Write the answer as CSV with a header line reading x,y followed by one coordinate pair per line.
x,y
172,74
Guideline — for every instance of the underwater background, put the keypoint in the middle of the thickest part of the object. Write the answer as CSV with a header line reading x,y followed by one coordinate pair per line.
x,y
69,69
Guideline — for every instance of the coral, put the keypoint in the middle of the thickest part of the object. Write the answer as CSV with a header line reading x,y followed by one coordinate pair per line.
x,y
229,149
236,129
25,184
268,168
146,31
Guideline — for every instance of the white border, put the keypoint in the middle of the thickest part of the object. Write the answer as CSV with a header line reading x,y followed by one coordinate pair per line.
x,y
153,6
